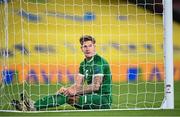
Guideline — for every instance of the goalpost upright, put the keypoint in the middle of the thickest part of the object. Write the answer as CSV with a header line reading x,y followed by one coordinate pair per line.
x,y
168,48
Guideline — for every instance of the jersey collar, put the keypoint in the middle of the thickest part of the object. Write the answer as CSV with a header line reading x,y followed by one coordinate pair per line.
x,y
88,61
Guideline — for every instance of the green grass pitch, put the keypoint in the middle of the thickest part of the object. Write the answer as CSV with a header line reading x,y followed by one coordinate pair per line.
x,y
174,112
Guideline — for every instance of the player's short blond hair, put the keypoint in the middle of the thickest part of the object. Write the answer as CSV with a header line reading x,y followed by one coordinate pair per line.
x,y
86,38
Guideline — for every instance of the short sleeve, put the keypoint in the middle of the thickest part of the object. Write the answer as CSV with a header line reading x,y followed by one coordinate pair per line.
x,y
98,70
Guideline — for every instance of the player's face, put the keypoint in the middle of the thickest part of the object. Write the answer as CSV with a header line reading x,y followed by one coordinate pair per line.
x,y
88,48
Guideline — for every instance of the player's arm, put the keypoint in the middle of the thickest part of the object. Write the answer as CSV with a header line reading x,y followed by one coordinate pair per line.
x,y
96,83
72,90
78,82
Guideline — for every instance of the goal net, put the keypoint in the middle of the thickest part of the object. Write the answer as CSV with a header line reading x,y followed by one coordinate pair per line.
x,y
40,50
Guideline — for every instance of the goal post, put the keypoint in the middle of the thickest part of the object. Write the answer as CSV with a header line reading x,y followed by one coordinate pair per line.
x,y
40,50
168,48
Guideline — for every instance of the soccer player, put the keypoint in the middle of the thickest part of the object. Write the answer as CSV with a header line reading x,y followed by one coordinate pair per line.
x,y
91,90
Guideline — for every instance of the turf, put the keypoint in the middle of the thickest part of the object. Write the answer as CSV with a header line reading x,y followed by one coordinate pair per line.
x,y
174,112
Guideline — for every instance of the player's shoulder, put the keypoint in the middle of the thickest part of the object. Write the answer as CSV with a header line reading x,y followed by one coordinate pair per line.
x,y
100,59
82,63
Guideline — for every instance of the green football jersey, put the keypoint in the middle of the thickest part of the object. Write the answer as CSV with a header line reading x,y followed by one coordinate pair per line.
x,y
97,66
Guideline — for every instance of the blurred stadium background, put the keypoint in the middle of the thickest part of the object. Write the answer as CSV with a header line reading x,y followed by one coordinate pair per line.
x,y
68,28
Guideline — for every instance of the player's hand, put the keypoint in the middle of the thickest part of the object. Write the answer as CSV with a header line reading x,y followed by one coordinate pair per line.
x,y
70,92
61,90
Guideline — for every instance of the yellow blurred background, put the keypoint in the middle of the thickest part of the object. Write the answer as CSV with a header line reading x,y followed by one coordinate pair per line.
x,y
43,40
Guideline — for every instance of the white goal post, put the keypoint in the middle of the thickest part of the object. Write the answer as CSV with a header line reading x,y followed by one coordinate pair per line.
x,y
168,44
40,50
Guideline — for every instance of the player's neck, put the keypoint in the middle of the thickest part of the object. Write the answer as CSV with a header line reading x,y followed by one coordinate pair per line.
x,y
90,58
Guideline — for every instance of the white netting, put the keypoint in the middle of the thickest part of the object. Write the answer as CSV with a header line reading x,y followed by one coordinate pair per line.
x,y
40,50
